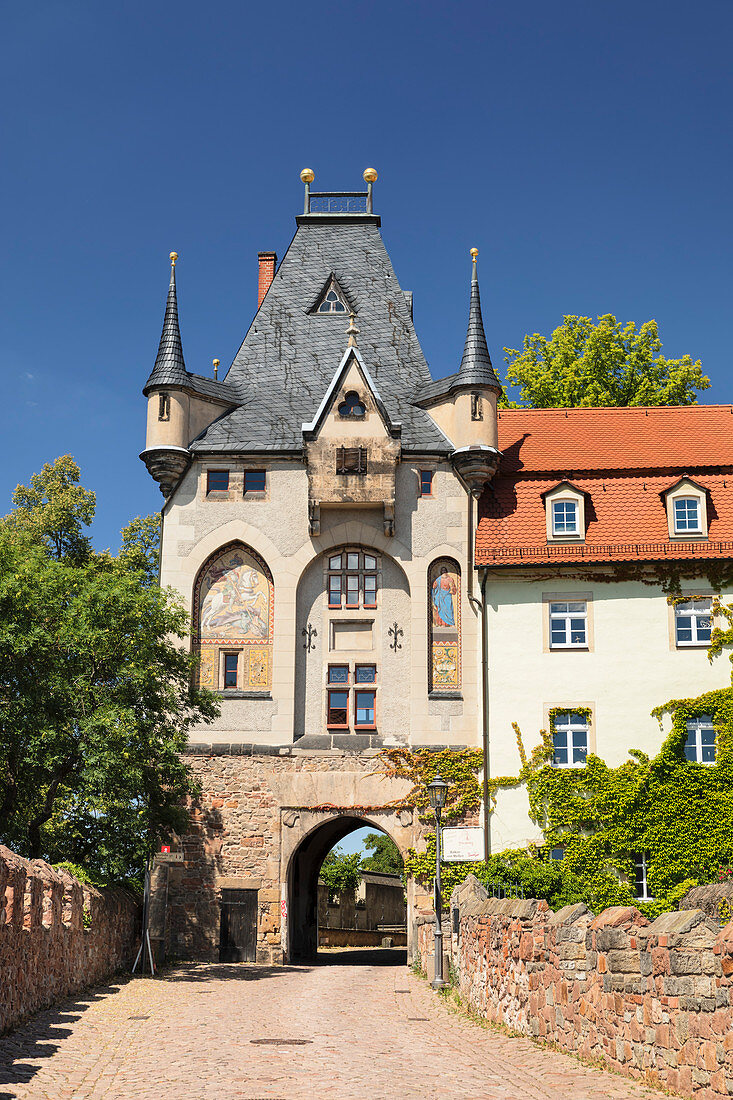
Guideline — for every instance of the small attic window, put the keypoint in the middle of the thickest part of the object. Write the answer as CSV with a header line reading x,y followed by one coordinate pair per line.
x,y
352,406
331,303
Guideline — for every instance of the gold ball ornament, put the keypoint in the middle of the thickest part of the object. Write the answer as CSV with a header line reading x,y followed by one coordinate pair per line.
x,y
307,175
474,254
215,362
370,175
173,257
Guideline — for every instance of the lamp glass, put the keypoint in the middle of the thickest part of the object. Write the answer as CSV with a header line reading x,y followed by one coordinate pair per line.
x,y
438,791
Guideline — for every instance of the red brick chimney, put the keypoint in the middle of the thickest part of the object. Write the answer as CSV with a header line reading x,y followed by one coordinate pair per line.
x,y
268,263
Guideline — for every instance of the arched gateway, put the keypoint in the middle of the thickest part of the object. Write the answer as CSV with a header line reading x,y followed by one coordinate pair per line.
x,y
303,865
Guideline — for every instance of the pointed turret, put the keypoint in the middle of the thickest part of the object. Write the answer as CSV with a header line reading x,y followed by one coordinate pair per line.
x,y
476,368
170,368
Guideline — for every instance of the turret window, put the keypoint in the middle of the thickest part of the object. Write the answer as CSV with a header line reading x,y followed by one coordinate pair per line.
x,y
477,412
164,407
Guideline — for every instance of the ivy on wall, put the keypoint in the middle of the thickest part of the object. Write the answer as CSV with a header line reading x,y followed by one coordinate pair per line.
x,y
679,814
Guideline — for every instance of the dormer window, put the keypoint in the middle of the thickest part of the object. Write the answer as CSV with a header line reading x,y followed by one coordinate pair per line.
x,y
352,407
565,510
332,304
564,517
687,514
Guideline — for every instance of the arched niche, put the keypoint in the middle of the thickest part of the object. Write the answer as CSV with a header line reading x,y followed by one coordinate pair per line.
x,y
233,621
444,626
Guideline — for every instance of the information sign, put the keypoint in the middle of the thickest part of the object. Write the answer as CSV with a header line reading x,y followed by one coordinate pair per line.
x,y
463,844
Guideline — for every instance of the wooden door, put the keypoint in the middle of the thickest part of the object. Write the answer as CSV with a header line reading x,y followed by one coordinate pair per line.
x,y
238,931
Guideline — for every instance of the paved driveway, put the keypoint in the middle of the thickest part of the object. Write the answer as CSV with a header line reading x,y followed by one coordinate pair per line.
x,y
371,1032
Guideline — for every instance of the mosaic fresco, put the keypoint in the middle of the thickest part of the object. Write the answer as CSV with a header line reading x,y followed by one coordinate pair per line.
x,y
444,580
234,613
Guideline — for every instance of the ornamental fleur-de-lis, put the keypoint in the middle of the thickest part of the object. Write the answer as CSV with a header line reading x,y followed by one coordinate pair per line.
x,y
309,633
395,632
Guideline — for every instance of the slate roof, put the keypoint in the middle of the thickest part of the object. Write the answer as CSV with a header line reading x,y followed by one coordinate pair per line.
x,y
290,354
476,368
623,459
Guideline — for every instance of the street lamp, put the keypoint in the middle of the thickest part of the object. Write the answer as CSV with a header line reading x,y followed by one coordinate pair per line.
x,y
438,790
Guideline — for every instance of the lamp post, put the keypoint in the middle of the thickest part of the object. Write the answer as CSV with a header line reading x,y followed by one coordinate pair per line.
x,y
438,790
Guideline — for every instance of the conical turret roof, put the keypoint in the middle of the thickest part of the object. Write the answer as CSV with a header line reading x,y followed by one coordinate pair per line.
x,y
170,368
476,368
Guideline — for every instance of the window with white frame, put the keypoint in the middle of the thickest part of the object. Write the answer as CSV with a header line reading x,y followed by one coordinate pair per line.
x,y
565,517
700,742
687,515
693,622
641,888
569,739
352,579
568,624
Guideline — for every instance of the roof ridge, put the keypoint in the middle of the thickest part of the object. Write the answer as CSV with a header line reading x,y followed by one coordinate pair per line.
x,y
613,408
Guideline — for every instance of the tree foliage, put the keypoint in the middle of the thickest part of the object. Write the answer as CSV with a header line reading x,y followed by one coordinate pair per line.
x,y
583,364
386,858
340,871
96,695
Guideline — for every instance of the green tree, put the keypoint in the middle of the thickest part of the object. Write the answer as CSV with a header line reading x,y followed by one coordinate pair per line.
x,y
386,858
96,697
340,871
583,364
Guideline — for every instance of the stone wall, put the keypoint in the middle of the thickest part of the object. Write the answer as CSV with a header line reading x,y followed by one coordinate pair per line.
x,y
46,952
652,999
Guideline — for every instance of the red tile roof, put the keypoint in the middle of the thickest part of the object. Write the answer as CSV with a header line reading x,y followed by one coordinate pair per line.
x,y
623,458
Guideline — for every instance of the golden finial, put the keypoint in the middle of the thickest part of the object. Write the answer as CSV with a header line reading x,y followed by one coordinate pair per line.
x,y
173,257
370,175
352,331
474,254
216,368
307,175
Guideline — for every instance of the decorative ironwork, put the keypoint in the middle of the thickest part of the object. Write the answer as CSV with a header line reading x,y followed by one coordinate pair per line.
x,y
395,632
309,633
338,202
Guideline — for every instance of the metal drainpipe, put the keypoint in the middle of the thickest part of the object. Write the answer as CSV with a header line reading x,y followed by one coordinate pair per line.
x,y
485,713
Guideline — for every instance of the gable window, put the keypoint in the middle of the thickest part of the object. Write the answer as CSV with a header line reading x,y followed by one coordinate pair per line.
x,y
564,517
686,515
255,481
231,662
426,483
700,743
217,480
331,303
693,622
641,888
569,624
569,739
352,407
351,460
164,407
352,574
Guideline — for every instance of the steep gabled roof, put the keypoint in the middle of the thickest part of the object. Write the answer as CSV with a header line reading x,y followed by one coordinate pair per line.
x,y
289,356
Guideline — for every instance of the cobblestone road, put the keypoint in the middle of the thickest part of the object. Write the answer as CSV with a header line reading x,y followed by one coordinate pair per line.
x,y
368,1033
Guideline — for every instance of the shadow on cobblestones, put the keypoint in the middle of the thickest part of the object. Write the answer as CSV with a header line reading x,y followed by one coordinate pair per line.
x,y
243,972
41,1037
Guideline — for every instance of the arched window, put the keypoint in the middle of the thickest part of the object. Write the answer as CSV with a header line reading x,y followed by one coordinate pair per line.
x,y
233,621
444,608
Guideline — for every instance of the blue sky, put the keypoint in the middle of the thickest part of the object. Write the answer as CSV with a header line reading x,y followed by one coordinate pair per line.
x,y
582,147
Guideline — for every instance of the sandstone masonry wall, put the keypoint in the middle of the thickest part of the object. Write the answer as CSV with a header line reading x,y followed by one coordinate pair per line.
x,y
652,999
46,953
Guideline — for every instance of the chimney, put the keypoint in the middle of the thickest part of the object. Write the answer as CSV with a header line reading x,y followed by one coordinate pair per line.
x,y
268,262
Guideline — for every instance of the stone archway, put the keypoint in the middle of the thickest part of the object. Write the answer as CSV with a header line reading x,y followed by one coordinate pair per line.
x,y
312,836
